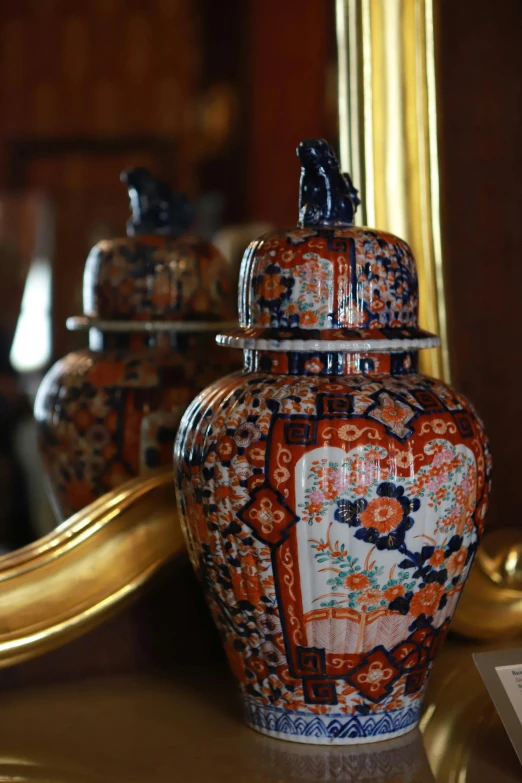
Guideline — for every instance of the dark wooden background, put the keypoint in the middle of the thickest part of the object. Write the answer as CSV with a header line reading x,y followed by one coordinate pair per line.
x,y
480,97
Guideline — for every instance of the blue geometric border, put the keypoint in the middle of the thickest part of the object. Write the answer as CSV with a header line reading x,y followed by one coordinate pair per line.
x,y
330,727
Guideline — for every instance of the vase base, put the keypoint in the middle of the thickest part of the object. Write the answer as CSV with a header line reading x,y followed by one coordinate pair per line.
x,y
312,729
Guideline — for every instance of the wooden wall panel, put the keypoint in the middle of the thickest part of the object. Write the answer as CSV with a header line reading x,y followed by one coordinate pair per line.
x,y
292,45
480,92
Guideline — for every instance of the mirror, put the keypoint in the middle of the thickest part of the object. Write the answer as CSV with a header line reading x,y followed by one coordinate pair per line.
x,y
189,93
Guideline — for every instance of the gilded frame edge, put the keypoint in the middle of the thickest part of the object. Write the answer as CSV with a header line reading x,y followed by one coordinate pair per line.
x,y
70,581
388,132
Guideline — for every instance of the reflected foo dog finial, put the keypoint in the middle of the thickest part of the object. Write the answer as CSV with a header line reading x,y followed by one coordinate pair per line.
x,y
327,197
155,209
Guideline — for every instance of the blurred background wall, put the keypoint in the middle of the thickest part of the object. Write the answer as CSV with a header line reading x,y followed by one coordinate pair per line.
x,y
480,106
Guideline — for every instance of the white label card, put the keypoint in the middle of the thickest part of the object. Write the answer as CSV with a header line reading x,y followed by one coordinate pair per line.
x,y
511,679
501,671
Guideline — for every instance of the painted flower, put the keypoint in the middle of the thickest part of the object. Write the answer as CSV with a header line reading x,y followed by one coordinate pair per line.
x,y
287,258
271,287
403,459
466,486
308,319
226,448
374,675
316,497
348,431
437,558
377,304
258,666
393,592
437,482
438,426
456,563
357,582
314,365
392,412
370,597
246,434
256,455
384,514
280,475
443,456
384,520
426,600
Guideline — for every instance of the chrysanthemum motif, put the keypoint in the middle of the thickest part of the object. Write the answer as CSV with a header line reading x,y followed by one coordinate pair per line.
x,y
382,521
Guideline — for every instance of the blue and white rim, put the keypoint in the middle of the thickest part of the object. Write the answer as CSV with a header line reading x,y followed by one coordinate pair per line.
x,y
330,729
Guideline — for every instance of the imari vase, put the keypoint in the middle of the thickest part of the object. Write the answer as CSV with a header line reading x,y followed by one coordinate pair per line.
x,y
153,302
332,498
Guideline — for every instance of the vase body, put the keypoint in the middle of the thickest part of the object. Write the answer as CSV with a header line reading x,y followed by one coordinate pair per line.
x,y
332,497
110,413
332,505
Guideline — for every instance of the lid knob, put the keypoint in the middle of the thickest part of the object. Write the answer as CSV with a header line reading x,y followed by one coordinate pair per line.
x,y
327,197
155,209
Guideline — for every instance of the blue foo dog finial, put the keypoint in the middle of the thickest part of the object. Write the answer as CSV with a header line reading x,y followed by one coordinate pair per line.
x,y
155,209
327,197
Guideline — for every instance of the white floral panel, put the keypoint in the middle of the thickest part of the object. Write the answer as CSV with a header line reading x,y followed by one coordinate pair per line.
x,y
345,593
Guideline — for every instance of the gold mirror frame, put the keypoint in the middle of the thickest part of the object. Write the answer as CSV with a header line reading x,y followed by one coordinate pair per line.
x,y
68,582
388,138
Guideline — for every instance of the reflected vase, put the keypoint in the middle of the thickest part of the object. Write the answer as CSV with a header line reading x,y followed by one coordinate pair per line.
x,y
153,302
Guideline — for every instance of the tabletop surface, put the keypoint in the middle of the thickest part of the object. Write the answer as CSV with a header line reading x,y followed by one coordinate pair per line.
x,y
188,727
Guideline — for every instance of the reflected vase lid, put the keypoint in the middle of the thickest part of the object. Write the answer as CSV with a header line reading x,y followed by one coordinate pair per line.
x,y
158,274
327,285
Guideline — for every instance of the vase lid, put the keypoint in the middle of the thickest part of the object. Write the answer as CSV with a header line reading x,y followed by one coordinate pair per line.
x,y
158,274
327,285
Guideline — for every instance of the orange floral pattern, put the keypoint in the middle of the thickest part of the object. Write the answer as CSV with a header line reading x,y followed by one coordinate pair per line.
x,y
384,514
376,561
294,275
